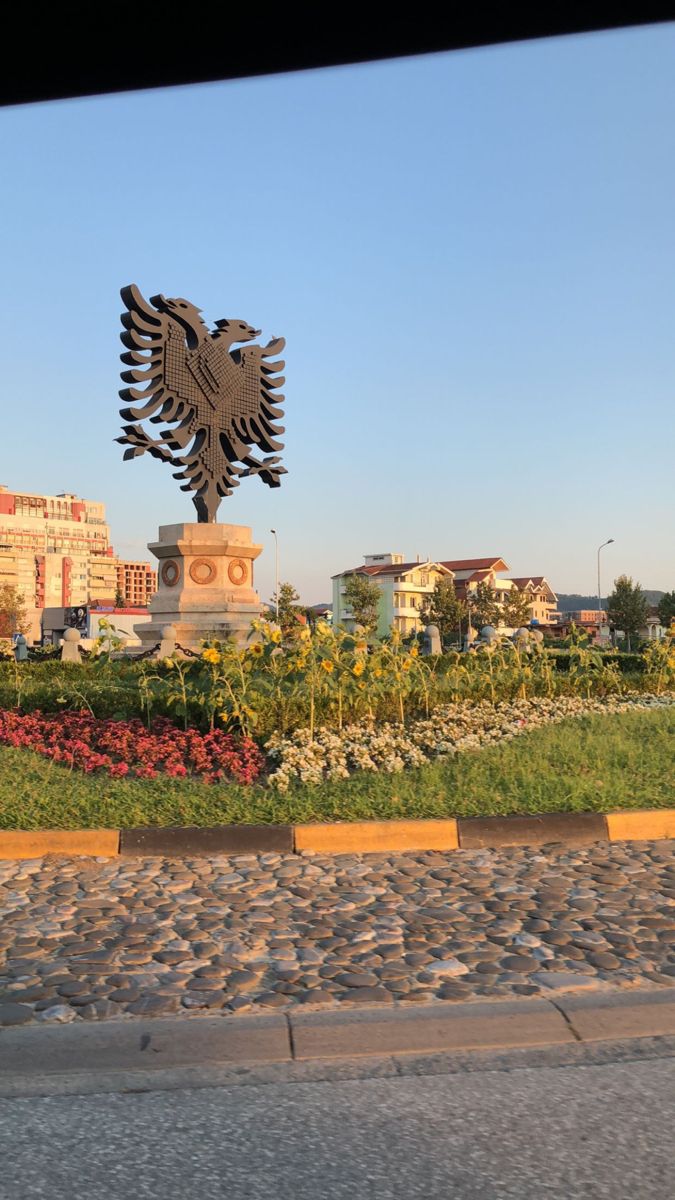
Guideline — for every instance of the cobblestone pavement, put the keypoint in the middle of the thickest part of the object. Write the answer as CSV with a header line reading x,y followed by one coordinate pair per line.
x,y
91,939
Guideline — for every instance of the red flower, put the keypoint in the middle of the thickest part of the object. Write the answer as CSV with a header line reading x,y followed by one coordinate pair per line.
x,y
122,748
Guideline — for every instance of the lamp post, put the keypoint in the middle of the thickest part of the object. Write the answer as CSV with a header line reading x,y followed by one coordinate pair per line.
x,y
607,543
276,572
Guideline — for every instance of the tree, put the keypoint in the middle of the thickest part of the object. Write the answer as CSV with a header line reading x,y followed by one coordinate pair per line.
x,y
289,611
443,608
484,606
120,600
517,609
627,607
666,609
363,597
13,614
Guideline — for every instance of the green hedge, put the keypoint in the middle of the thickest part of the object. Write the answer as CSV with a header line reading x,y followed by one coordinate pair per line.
x,y
627,663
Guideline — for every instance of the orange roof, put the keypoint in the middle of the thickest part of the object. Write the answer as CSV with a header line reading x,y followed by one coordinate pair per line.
x,y
475,564
389,569
537,581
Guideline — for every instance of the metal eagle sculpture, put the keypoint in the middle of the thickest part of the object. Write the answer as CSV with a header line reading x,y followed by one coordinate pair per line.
x,y
221,400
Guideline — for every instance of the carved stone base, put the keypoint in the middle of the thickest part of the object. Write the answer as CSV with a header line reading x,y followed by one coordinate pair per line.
x,y
205,584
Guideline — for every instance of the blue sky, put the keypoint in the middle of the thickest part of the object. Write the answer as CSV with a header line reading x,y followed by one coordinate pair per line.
x,y
471,257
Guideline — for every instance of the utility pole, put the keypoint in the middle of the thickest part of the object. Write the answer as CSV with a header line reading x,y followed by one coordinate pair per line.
x,y
276,572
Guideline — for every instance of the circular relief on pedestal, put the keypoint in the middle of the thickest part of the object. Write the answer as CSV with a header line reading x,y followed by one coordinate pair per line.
x,y
170,573
203,570
236,572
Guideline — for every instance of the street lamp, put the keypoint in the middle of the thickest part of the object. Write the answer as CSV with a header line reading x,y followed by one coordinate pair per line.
x,y
607,543
276,571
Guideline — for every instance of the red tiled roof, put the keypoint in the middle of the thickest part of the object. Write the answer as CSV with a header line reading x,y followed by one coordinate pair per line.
x,y
475,564
537,581
389,569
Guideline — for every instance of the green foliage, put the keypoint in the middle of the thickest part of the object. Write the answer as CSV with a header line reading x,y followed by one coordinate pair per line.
x,y
628,663
627,608
13,613
324,677
666,609
599,763
484,607
444,609
289,610
517,609
109,641
590,674
363,597
659,665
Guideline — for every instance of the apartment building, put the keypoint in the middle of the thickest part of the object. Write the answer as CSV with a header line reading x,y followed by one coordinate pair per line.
x,y
136,582
56,551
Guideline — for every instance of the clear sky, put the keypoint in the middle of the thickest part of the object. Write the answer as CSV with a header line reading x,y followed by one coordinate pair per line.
x,y
470,255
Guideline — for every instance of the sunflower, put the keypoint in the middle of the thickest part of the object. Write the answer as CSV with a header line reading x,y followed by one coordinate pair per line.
x,y
211,656
358,669
275,636
327,666
256,649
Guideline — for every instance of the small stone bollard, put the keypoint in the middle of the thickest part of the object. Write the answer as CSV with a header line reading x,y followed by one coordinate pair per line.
x,y
521,639
20,648
488,635
167,646
431,643
537,640
70,650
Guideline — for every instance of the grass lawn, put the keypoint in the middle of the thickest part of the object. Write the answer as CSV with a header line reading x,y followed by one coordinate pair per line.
x,y
596,763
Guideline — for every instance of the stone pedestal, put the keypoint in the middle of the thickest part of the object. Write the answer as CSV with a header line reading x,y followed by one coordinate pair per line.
x,y
205,584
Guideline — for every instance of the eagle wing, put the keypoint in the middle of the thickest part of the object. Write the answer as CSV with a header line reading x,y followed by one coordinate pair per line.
x,y
156,352
258,404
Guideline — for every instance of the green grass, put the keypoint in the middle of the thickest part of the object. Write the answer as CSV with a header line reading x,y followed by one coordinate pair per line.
x,y
596,763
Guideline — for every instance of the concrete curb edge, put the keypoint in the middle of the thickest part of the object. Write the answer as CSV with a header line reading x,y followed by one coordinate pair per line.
x,y
358,837
38,1051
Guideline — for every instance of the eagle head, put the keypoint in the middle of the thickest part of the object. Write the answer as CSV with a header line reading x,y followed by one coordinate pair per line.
x,y
187,315
236,331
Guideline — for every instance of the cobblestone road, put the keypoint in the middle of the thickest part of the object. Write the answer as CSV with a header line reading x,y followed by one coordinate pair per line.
x,y
92,939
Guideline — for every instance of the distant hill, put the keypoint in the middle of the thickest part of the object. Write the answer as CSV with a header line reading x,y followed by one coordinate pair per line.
x,y
571,602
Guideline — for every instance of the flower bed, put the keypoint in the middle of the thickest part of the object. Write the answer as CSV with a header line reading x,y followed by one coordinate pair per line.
x,y
453,728
128,748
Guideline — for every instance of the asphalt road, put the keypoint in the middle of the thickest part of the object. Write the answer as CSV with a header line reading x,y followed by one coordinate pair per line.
x,y
553,1132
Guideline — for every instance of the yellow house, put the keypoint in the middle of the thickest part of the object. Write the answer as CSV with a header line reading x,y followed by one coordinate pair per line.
x,y
543,607
403,587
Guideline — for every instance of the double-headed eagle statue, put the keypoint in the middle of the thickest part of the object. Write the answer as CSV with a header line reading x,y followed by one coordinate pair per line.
x,y
221,400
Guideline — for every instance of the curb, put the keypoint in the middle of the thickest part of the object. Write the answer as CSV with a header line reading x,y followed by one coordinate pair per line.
x,y
38,1052
358,837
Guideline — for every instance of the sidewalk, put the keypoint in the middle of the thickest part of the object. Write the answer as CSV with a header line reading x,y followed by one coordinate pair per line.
x,y
96,939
